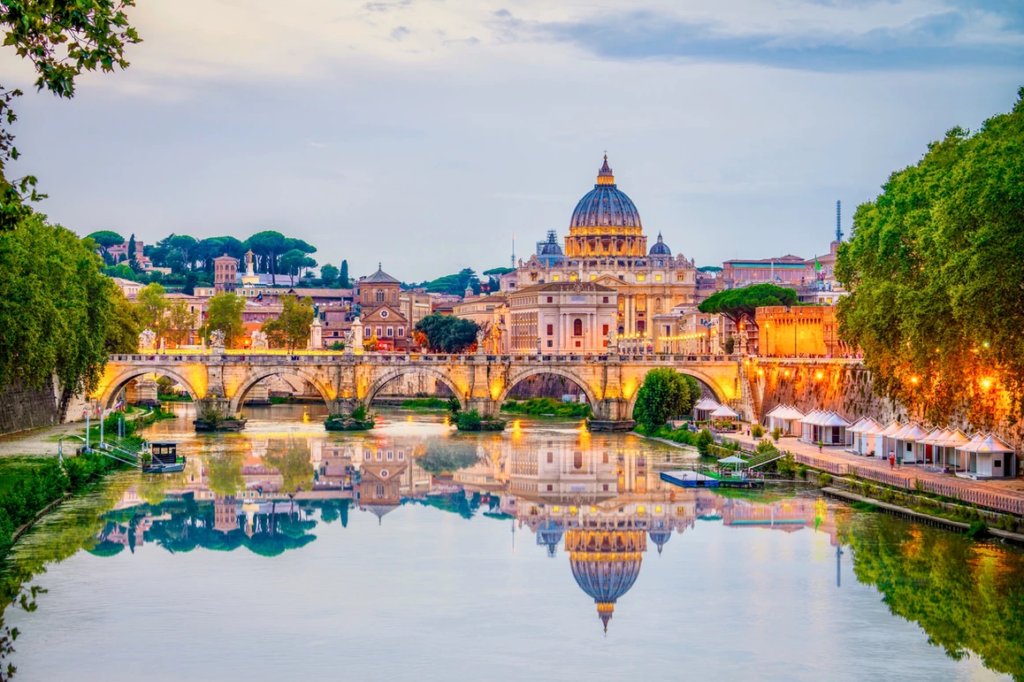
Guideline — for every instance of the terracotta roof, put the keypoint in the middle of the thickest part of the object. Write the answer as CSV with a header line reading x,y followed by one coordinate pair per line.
x,y
380,277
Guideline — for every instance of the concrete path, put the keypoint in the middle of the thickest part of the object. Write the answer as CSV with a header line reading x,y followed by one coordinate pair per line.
x,y
1011,488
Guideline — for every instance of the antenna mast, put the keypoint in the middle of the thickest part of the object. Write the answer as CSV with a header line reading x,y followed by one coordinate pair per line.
x,y
839,229
513,259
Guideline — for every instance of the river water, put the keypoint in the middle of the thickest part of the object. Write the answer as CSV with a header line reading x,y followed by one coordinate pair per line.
x,y
413,552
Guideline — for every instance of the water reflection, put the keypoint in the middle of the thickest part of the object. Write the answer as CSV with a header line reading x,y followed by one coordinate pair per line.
x,y
594,504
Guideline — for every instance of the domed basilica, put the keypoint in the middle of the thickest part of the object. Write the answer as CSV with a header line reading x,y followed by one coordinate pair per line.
x,y
606,245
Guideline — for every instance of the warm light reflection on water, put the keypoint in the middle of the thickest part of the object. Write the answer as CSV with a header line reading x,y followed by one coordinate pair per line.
x,y
286,551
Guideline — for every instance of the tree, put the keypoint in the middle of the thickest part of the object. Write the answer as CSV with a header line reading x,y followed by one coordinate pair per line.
x,y
292,261
180,322
933,272
133,263
738,303
290,329
447,334
454,284
343,280
185,246
224,313
105,239
123,330
270,245
55,309
152,309
328,275
665,393
61,39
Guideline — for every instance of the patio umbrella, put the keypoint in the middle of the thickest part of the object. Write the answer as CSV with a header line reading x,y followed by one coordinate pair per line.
x,y
724,411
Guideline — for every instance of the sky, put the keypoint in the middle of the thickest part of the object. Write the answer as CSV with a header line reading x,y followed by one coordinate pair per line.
x,y
424,134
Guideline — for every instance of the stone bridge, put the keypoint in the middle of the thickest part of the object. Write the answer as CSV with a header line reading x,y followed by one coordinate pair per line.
x,y
219,382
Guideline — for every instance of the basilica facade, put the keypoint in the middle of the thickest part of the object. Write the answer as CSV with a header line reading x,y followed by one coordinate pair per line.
x,y
607,246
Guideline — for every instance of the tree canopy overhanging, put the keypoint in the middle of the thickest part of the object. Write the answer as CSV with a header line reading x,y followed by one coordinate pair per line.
x,y
934,272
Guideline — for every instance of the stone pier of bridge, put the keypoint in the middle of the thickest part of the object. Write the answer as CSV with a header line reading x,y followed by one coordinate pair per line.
x,y
219,383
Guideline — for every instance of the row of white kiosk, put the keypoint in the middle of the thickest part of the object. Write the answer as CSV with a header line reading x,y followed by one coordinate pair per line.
x,y
981,456
706,409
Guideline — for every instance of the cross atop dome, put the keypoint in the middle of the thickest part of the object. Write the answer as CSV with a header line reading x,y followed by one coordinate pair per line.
x,y
605,175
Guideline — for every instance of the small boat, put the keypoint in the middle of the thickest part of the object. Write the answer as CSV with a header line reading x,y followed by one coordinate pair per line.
x,y
164,459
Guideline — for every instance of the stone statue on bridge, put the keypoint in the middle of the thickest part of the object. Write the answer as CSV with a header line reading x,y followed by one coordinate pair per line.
x,y
147,340
611,340
350,342
217,340
259,340
481,335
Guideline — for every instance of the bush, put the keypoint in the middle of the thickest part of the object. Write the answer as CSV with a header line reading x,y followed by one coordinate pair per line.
x,y
824,478
787,466
472,421
547,406
776,434
756,431
665,393
704,441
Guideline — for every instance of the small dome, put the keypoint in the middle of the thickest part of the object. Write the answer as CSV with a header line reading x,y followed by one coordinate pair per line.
x,y
551,246
605,205
660,248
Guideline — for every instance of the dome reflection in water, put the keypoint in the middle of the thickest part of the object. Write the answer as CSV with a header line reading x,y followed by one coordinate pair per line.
x,y
415,533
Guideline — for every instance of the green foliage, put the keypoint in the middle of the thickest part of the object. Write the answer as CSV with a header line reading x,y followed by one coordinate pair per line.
x,y
122,333
224,313
547,406
290,329
864,506
704,441
337,345
328,275
293,261
665,393
55,308
446,458
343,280
756,431
425,404
777,434
472,421
447,333
736,303
824,478
106,238
730,345
268,244
292,461
61,39
454,284
787,466
928,268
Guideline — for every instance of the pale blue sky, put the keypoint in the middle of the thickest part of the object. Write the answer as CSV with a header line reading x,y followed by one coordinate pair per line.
x,y
425,133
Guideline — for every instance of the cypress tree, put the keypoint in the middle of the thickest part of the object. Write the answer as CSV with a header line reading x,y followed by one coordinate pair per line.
x,y
343,276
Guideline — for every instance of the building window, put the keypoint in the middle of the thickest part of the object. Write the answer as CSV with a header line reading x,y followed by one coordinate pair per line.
x,y
657,278
391,331
605,487
680,277
380,332
555,278
550,299
367,332
551,329
593,277
401,331
551,458
550,343
641,277
604,330
380,491
604,300
550,487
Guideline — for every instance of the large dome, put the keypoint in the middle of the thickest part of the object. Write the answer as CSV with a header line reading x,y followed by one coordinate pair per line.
x,y
605,205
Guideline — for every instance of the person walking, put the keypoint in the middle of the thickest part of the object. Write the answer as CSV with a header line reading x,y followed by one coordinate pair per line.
x,y
892,460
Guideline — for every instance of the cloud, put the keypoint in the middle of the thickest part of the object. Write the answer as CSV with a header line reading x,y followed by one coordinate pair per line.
x,y
940,37
399,32
386,6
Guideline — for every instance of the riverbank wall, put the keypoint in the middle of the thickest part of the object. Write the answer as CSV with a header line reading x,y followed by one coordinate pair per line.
x,y
846,387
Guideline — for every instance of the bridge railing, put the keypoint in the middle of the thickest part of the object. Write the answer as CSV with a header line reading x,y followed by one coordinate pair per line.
x,y
326,357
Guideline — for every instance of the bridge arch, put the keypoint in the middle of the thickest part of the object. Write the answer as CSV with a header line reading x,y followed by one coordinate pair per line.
x,y
704,380
389,375
107,394
522,375
238,399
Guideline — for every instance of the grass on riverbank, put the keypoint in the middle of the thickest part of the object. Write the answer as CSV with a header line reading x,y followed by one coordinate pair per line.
x,y
29,484
702,440
425,404
547,407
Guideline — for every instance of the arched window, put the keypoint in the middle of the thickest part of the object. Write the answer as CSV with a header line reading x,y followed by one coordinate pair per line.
x,y
379,295
577,460
577,327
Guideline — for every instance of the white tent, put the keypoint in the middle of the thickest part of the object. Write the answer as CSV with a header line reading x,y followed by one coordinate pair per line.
x,y
906,442
833,430
989,457
724,412
786,418
883,439
947,449
927,447
863,435
703,408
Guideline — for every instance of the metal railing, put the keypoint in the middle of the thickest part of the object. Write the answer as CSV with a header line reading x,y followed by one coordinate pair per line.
x,y
322,357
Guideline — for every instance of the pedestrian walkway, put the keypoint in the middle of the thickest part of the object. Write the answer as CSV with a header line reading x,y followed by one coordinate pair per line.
x,y
1000,495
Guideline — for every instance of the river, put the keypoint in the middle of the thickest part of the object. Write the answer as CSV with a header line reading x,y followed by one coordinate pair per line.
x,y
413,552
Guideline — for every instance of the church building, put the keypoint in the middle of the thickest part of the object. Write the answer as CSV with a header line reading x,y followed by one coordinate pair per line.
x,y
606,246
